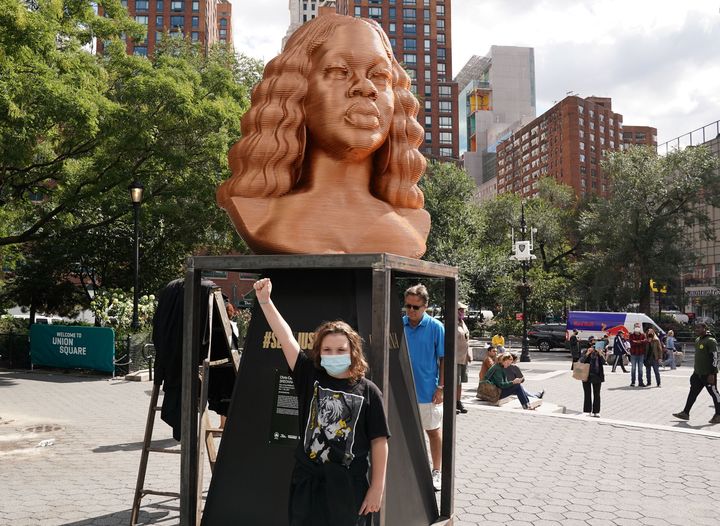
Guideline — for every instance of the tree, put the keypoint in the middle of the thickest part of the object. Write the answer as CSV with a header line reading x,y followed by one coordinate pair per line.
x,y
643,229
456,224
76,129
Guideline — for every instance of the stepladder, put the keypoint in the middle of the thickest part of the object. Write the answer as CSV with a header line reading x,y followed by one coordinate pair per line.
x,y
224,355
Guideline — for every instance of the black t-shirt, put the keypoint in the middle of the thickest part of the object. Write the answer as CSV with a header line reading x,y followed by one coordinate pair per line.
x,y
338,417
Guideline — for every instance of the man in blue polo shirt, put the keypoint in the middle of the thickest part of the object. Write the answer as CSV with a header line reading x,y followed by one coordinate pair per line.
x,y
425,339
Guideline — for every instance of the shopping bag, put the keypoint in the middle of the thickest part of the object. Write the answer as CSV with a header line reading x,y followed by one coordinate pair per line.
x,y
581,371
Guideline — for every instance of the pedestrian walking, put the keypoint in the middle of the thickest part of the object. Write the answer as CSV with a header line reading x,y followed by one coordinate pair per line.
x,y
591,387
343,424
574,348
653,357
425,338
704,373
462,356
670,346
619,352
638,342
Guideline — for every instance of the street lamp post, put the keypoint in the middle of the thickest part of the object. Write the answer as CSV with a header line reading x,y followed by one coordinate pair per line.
x,y
136,194
522,252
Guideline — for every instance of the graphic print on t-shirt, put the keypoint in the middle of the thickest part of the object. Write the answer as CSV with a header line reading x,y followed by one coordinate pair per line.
x,y
330,430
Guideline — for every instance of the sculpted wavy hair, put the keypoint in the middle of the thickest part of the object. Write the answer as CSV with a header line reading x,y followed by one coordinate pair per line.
x,y
358,365
267,161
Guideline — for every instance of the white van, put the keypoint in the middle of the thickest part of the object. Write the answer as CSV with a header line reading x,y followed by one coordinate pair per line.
x,y
597,324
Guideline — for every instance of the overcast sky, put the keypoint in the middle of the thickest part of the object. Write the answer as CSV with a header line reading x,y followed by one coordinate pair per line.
x,y
659,60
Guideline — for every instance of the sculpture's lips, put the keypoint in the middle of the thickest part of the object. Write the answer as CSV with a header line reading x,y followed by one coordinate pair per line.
x,y
365,116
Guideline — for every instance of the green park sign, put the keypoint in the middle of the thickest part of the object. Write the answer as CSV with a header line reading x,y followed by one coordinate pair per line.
x,y
73,347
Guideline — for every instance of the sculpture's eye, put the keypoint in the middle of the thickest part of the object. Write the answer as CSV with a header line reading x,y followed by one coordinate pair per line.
x,y
337,72
380,78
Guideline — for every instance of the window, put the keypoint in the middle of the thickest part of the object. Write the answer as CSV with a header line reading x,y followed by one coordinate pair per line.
x,y
446,122
440,10
428,121
582,145
441,38
391,27
427,75
392,13
358,10
375,12
428,105
196,6
176,5
441,68
159,5
143,19
409,13
446,137
223,33
445,105
195,21
428,90
410,58
441,53
426,14
412,73
223,22
177,21
409,29
441,25
393,43
581,122
141,5
582,158
428,136
427,45
159,21
428,60
140,51
445,152
444,91
580,109
195,35
426,29
410,44
582,134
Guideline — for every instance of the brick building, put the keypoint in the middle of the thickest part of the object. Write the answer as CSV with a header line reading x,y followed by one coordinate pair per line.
x,y
203,21
566,143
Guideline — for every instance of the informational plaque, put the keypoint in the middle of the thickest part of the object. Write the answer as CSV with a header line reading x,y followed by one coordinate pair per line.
x,y
284,420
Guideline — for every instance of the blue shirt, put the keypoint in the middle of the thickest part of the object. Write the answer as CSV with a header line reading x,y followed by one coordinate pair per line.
x,y
426,345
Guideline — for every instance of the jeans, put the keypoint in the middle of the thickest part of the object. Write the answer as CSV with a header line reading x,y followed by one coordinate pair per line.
x,y
654,367
636,361
517,390
591,404
670,362
697,382
618,360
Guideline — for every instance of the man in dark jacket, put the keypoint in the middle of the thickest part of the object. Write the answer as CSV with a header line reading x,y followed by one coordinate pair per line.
x,y
574,348
704,373
638,342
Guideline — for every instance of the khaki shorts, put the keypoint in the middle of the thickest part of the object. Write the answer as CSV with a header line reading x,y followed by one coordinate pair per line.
x,y
462,373
431,415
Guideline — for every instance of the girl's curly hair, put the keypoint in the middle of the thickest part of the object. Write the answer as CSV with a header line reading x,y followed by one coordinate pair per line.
x,y
267,161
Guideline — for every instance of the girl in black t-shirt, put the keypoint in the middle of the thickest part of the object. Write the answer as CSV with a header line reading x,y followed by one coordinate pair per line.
x,y
342,423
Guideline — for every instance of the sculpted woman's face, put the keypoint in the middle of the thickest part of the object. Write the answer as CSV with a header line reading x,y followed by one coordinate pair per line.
x,y
350,101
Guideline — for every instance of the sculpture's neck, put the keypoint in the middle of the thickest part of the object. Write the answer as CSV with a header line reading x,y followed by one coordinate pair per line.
x,y
326,174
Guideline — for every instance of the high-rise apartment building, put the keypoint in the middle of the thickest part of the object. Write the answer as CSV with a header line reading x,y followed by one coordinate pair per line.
x,y
566,143
199,20
497,97
639,135
420,35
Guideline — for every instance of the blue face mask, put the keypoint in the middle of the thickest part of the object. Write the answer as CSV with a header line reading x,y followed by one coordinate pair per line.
x,y
335,365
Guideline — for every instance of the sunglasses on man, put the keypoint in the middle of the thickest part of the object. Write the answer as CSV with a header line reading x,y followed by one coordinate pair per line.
x,y
413,307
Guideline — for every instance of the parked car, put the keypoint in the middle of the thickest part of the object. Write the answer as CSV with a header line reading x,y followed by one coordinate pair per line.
x,y
547,336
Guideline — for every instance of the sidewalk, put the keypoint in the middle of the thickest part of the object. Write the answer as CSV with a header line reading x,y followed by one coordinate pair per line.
x,y
635,465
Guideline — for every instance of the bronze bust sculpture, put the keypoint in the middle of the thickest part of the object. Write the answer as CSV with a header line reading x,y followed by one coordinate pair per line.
x,y
329,160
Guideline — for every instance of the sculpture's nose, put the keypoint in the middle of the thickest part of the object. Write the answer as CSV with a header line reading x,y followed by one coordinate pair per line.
x,y
362,86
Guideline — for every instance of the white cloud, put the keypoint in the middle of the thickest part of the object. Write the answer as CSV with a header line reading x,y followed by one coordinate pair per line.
x,y
657,59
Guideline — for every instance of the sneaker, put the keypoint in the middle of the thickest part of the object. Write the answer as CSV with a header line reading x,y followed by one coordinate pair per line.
x,y
460,408
541,393
534,403
632,385
596,415
682,415
715,419
437,479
